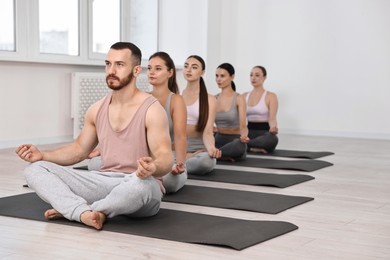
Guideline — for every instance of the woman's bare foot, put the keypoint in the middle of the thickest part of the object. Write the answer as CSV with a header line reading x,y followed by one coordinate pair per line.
x,y
53,214
94,219
258,150
229,159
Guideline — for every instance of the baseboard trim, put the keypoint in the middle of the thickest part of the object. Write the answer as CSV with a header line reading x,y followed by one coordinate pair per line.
x,y
344,134
36,141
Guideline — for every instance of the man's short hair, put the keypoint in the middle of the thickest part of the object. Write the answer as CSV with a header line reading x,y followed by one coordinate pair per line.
x,y
135,51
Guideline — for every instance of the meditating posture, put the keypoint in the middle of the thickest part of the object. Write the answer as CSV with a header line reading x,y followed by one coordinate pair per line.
x,y
132,130
162,76
261,110
201,108
231,130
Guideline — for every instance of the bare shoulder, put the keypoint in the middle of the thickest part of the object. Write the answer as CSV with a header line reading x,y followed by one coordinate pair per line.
x,y
212,98
240,99
93,109
155,111
271,95
177,103
177,99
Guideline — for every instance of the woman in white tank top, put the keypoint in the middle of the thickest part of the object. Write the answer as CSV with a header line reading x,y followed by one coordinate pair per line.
x,y
262,107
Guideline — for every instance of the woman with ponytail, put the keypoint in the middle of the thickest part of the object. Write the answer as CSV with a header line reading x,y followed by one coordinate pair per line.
x,y
262,107
201,109
161,73
232,133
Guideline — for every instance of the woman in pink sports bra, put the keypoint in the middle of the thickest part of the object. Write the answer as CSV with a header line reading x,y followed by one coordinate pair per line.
x,y
262,107
201,108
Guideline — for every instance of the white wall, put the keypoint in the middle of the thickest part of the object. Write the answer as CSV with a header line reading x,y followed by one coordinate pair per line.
x,y
35,102
328,61
183,29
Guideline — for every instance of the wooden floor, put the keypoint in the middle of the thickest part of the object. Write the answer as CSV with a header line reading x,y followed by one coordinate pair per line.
x,y
348,219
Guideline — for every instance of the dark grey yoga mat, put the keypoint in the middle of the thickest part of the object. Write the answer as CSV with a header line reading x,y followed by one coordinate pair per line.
x,y
253,178
167,224
235,199
295,154
298,165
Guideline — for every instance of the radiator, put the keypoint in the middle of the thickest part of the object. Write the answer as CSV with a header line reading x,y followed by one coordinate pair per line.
x,y
87,88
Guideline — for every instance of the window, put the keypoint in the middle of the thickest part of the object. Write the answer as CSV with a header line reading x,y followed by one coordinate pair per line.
x,y
143,24
75,31
105,24
58,27
7,32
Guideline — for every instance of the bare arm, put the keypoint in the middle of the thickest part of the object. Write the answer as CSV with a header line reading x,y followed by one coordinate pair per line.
x,y
208,132
179,118
273,109
241,106
68,154
157,132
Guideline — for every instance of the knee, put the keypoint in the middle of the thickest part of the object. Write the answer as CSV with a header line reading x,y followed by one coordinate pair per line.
x,y
240,146
95,163
272,143
201,165
173,183
31,172
207,164
34,167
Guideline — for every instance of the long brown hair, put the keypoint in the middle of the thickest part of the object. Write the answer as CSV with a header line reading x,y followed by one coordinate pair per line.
x,y
172,83
203,98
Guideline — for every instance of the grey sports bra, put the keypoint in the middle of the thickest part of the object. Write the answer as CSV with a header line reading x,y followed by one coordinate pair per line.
x,y
168,111
228,119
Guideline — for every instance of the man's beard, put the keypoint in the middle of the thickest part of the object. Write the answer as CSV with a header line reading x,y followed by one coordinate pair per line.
x,y
122,82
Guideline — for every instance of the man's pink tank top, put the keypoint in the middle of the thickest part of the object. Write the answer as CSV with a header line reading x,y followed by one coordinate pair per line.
x,y
120,150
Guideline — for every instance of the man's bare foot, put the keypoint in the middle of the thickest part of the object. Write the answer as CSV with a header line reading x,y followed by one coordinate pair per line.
x,y
53,214
94,219
258,150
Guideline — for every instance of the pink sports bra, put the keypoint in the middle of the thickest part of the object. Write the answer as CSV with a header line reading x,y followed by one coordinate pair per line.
x,y
259,112
193,113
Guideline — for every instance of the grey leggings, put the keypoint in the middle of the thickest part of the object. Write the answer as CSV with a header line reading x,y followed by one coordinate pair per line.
x,y
172,183
71,192
262,139
230,146
200,164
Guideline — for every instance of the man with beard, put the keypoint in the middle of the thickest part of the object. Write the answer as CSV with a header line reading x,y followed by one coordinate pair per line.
x,y
132,131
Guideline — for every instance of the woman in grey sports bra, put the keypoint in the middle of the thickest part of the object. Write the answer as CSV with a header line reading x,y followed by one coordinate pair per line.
x,y
232,133
162,76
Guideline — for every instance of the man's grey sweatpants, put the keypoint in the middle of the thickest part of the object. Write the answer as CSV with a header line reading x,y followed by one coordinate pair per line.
x,y
71,192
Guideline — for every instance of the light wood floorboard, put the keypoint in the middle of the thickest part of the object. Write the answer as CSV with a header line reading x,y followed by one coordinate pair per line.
x,y
348,219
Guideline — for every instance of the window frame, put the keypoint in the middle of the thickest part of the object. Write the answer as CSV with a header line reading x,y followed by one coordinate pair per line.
x,y
27,46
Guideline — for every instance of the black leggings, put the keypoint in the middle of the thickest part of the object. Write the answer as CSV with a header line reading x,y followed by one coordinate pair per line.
x,y
262,140
230,146
260,137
